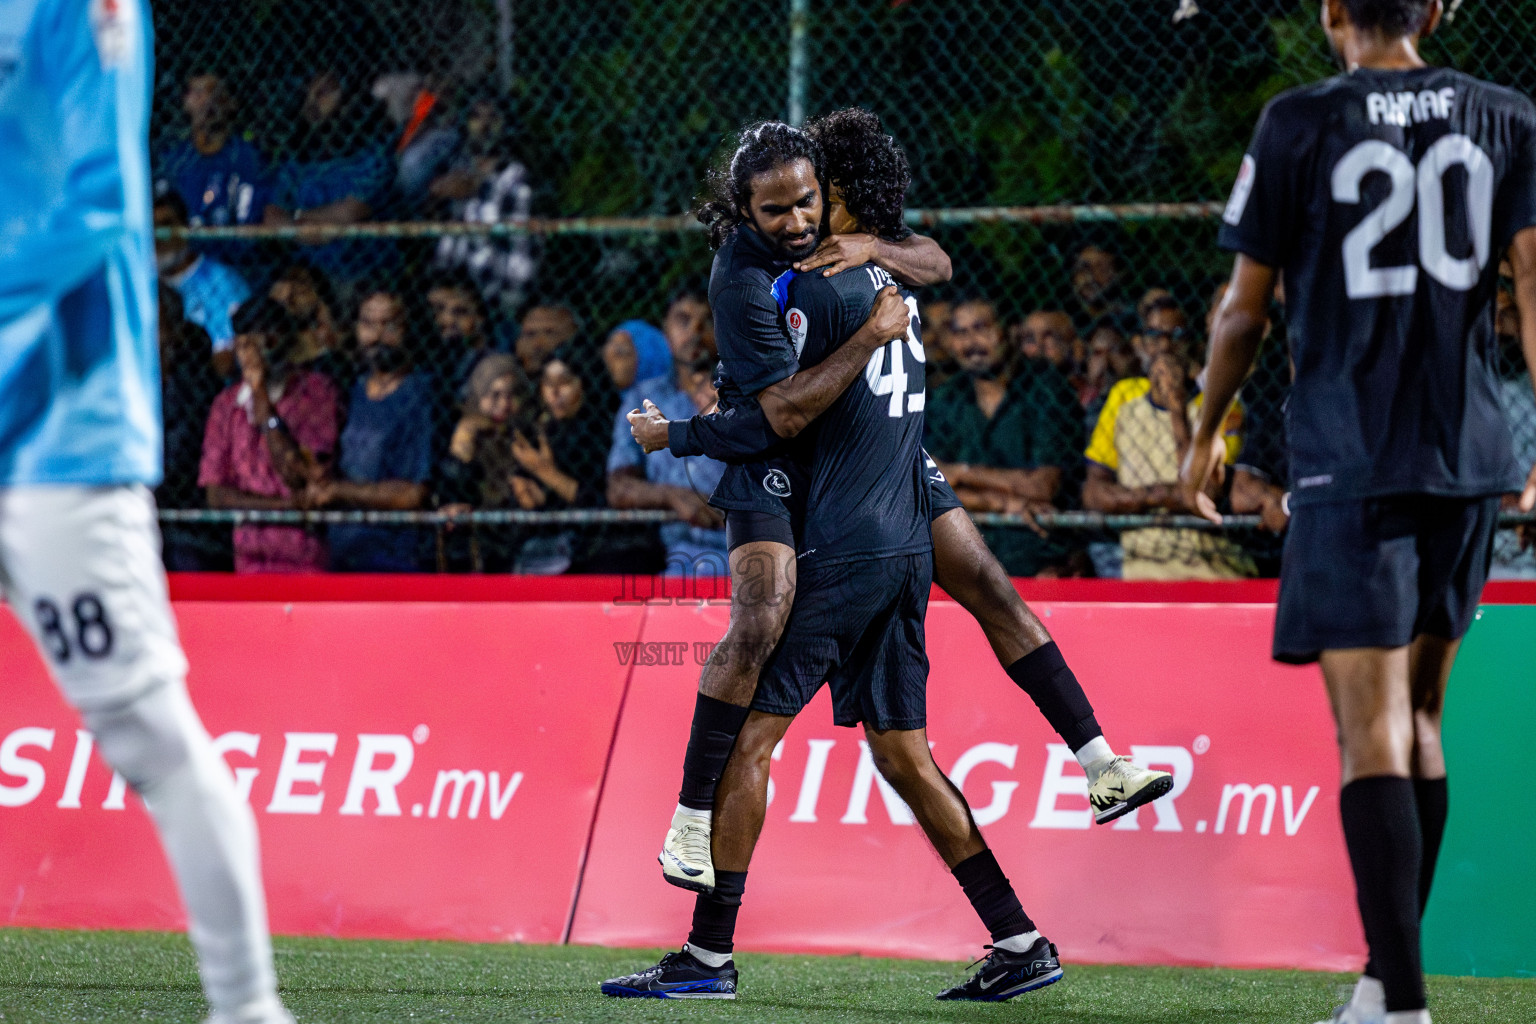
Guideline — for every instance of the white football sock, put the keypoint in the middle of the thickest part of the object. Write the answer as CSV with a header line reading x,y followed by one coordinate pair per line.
x,y
1017,943
708,958
1092,752
1408,1017
158,744
689,812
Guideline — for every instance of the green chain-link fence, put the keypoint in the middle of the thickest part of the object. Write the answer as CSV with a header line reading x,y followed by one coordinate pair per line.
x,y
515,174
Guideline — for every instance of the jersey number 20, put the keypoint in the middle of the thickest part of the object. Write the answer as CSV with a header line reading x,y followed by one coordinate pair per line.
x,y
1361,280
894,381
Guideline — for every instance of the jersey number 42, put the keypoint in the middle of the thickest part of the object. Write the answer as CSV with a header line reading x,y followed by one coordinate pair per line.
x,y
1426,185
894,380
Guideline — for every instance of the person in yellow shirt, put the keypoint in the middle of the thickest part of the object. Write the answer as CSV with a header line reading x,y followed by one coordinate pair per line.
x,y
1135,451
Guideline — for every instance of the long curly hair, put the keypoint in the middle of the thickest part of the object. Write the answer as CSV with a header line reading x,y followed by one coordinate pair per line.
x,y
760,147
868,167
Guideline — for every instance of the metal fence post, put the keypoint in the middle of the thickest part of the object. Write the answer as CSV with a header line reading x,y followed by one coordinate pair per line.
x,y
799,19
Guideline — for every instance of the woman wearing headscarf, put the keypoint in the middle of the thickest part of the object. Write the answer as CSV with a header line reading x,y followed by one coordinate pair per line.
x,y
477,472
636,351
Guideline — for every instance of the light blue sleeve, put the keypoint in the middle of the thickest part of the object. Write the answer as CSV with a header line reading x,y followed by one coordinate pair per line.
x,y
39,267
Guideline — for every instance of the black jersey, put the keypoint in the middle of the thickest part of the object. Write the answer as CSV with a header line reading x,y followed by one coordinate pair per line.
x,y
747,287
1387,198
868,488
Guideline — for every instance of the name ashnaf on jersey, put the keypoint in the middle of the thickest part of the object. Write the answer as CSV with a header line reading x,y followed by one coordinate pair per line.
x,y
1405,108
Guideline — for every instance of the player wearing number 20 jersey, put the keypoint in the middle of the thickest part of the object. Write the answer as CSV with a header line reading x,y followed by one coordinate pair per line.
x,y
1386,198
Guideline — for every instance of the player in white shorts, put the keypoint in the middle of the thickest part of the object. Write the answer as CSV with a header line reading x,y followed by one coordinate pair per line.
x,y
80,445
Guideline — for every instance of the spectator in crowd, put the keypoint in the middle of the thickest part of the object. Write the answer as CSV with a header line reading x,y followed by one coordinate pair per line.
x,y
1025,345
1110,359
463,325
479,471
545,328
1050,335
268,437
386,448
1156,296
560,462
425,140
486,184
935,316
689,325
636,351
188,386
1514,551
1096,285
1134,456
695,546
1004,442
335,170
221,178
209,291
306,293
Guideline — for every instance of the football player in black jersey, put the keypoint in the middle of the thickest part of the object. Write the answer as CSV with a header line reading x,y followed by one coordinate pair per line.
x,y
1385,197
746,434
864,572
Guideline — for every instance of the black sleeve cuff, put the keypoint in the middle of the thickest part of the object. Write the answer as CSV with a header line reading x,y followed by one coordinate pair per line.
x,y
680,439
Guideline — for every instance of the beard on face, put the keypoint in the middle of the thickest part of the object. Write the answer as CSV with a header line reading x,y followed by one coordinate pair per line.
x,y
796,248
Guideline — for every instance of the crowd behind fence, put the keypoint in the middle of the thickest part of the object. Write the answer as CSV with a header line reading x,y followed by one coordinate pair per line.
x,y
451,239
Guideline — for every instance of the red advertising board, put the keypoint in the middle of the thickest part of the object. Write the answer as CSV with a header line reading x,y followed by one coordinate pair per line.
x,y
423,770
1244,865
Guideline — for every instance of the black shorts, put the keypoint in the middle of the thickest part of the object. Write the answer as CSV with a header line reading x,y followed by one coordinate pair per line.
x,y
1378,572
776,487
859,627
743,527
941,496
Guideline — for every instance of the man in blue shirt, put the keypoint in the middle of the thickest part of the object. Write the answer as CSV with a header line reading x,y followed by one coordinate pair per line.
x,y
210,291
636,480
221,177
80,441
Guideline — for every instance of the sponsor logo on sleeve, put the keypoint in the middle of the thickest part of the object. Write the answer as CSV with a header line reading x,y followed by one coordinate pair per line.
x,y
1240,191
795,319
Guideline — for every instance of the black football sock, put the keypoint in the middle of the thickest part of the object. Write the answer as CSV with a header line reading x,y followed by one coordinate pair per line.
x,y
992,895
1044,675
1381,830
1433,799
714,915
716,725
1432,796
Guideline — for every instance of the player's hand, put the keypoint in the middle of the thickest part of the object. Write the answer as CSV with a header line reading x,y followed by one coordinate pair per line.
x,y
1203,465
889,320
649,427
1272,515
1528,496
840,252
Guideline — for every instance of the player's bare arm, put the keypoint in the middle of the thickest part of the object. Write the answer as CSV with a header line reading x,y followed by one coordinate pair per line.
x,y
792,403
1522,260
915,261
1235,337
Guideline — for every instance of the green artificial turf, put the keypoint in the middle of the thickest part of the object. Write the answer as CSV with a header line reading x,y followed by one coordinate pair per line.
x,y
131,976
